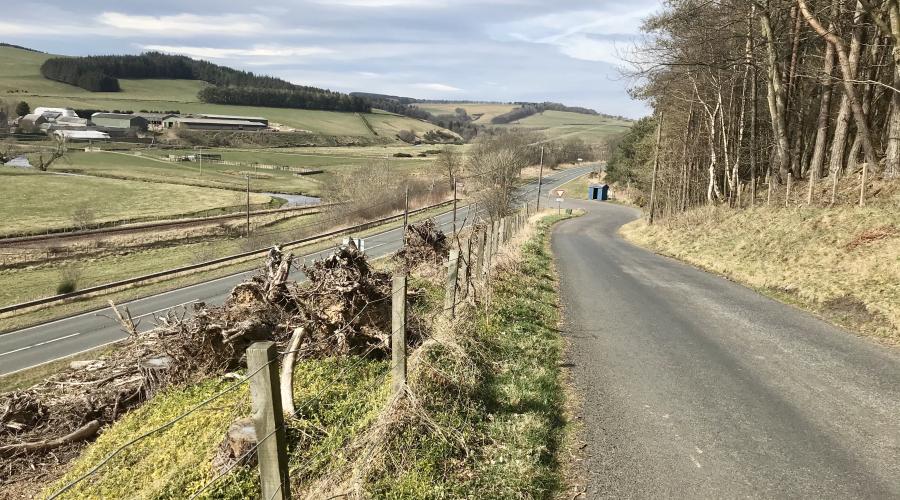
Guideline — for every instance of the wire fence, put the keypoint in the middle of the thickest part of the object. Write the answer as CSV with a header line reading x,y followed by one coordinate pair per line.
x,y
512,223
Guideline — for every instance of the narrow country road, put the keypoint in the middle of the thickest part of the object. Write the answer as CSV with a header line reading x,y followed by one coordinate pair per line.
x,y
692,386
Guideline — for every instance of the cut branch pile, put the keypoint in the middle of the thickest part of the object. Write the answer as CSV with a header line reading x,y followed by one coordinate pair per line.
x,y
425,243
344,306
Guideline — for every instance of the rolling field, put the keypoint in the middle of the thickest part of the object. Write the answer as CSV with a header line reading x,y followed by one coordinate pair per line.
x,y
20,79
486,110
563,125
35,201
151,166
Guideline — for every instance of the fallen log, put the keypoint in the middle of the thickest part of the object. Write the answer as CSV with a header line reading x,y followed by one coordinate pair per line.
x,y
86,431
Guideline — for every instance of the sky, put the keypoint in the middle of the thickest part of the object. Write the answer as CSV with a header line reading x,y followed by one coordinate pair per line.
x,y
492,50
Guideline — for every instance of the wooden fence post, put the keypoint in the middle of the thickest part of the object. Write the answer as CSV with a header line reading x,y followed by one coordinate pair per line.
x,y
452,273
479,253
490,243
268,420
398,334
464,268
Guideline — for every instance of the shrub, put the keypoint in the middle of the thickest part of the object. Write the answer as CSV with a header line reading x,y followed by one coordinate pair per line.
x,y
68,281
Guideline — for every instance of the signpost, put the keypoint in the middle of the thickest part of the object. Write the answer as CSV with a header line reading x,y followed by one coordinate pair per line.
x,y
559,199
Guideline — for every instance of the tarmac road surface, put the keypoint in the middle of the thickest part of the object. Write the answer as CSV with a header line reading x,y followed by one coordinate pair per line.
x,y
693,386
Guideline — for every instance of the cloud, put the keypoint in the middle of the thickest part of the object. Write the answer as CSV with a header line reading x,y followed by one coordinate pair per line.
x,y
427,4
439,87
228,53
594,35
189,25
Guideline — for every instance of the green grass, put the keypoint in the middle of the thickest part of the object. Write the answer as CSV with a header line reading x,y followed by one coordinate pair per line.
x,y
150,165
20,79
495,386
35,201
577,188
486,110
335,398
563,125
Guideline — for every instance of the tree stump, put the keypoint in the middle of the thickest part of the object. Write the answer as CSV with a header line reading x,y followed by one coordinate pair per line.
x,y
153,374
235,449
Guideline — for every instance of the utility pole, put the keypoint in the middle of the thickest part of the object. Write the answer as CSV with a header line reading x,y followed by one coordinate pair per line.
x,y
537,207
200,156
454,206
248,205
655,168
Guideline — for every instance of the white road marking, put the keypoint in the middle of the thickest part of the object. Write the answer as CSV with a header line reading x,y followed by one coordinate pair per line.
x,y
166,308
698,450
695,461
40,344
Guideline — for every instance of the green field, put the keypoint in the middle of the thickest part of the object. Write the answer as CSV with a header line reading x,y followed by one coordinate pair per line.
x,y
563,125
20,79
151,165
35,201
486,110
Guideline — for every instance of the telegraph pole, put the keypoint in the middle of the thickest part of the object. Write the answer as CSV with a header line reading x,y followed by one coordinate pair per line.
x,y
454,206
248,204
537,207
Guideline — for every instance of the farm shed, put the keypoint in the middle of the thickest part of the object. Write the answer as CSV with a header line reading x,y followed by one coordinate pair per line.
x,y
264,121
81,135
212,124
119,121
155,119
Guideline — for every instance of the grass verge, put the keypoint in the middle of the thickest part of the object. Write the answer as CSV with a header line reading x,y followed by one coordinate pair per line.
x,y
840,264
488,418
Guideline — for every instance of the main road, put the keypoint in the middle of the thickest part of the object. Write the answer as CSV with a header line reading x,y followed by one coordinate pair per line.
x,y
39,344
692,386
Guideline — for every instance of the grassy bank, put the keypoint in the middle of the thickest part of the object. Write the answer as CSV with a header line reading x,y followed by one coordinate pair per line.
x,y
491,394
484,417
839,263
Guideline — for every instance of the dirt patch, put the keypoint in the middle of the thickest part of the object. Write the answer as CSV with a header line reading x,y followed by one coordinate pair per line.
x,y
870,236
850,310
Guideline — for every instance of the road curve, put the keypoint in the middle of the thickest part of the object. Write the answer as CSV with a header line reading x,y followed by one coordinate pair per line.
x,y
692,386
39,344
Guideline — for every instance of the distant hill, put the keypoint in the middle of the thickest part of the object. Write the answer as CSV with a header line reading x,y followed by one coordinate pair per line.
x,y
21,80
3,44
230,86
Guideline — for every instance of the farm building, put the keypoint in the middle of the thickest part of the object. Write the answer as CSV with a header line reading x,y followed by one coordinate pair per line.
x,y
212,124
155,119
31,123
119,121
54,112
81,135
259,119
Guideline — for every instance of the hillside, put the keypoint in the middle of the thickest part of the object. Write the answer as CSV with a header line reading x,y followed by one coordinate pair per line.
x,y
563,124
838,262
20,79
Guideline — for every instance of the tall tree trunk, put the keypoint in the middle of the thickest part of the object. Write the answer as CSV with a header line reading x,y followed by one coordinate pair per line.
x,y
818,158
775,95
850,91
842,123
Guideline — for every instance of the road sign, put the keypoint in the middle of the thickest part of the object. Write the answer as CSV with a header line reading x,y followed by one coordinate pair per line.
x,y
559,200
560,192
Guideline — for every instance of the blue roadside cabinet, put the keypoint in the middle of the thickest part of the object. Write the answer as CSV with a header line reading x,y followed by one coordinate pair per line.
x,y
598,192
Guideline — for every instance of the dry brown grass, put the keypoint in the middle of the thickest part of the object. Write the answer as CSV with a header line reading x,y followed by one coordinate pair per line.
x,y
840,262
